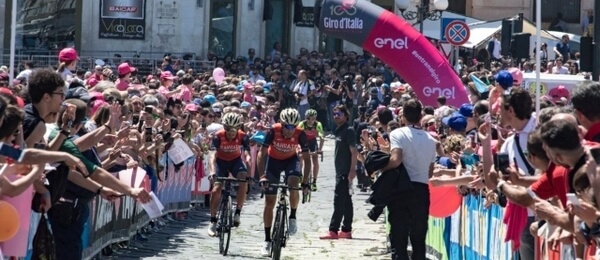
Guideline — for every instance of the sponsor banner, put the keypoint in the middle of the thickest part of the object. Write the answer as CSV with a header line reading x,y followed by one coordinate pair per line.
x,y
396,43
122,19
471,233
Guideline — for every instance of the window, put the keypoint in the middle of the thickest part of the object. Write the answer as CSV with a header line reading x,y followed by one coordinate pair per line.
x,y
570,9
222,27
329,43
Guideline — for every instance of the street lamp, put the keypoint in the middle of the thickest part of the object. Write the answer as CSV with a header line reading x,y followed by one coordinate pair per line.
x,y
425,9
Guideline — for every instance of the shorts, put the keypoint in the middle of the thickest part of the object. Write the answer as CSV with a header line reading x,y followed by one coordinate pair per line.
x,y
313,147
234,167
274,167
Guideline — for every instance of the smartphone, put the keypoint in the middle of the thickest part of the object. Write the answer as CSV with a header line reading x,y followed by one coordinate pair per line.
x,y
149,110
135,119
503,162
11,152
148,131
596,154
571,197
39,146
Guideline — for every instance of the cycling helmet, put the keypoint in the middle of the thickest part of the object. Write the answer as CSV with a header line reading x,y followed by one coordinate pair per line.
x,y
232,120
311,112
290,116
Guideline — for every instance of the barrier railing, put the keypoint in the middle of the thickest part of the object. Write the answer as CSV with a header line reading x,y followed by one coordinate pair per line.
x,y
145,65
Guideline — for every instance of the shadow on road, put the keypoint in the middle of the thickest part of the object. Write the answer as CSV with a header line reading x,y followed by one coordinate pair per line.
x,y
170,238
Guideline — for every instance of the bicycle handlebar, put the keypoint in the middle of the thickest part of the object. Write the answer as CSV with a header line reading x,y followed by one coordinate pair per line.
x,y
228,179
279,186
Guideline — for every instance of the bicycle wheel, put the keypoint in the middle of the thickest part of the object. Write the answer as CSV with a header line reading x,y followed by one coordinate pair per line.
x,y
228,225
222,223
278,235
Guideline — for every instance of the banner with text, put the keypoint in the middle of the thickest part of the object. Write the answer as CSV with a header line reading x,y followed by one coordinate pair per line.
x,y
122,19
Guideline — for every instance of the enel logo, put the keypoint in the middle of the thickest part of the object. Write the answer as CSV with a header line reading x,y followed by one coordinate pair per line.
x,y
435,91
395,44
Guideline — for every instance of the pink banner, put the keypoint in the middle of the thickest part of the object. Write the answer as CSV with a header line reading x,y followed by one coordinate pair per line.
x,y
397,44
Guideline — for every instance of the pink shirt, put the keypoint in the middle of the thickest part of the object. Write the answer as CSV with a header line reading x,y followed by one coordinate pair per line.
x,y
121,85
185,95
163,90
249,97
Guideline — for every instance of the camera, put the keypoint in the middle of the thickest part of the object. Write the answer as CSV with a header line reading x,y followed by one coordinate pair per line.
x,y
348,80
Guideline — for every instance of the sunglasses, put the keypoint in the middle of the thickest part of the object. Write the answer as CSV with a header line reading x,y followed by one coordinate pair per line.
x,y
338,114
230,128
289,126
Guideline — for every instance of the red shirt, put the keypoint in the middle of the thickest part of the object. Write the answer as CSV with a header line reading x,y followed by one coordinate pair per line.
x,y
554,182
593,134
229,150
282,148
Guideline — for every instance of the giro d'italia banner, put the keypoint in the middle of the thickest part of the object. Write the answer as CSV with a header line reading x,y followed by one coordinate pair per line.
x,y
396,43
122,19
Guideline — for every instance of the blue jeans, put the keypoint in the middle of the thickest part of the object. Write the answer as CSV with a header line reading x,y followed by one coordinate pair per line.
x,y
330,123
302,111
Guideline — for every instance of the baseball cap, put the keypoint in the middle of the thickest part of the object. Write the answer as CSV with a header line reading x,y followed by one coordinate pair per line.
x,y
68,54
124,69
456,122
504,79
466,110
210,98
245,104
20,101
191,107
558,93
517,76
166,75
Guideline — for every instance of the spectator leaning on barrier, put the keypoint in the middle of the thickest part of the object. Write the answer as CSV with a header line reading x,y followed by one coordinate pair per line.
x,y
585,99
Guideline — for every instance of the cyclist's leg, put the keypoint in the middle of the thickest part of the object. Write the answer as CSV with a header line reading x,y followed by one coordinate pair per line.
x,y
312,149
215,197
238,169
293,177
274,169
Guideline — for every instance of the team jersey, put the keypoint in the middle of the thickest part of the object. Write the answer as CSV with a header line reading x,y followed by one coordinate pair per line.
x,y
229,150
312,131
282,148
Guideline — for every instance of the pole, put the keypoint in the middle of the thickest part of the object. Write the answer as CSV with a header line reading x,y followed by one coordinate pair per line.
x,y
13,39
538,46
456,56
596,55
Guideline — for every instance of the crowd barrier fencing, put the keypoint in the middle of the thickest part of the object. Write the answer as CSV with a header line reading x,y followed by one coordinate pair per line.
x,y
114,222
145,65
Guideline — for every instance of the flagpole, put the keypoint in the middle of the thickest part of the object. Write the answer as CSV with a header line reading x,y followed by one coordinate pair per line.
x,y
538,47
13,39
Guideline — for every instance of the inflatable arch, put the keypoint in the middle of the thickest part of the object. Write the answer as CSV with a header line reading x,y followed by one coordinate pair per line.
x,y
396,43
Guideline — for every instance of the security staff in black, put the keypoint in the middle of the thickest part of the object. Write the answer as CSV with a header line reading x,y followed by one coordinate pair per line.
x,y
345,147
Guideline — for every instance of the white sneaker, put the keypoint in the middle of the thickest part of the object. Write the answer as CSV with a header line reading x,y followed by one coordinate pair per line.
x,y
236,220
212,229
266,249
292,227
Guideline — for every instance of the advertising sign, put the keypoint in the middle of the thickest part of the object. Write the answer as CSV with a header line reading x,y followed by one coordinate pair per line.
x,y
122,19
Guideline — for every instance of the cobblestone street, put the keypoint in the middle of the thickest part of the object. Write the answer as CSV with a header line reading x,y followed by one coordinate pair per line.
x,y
188,239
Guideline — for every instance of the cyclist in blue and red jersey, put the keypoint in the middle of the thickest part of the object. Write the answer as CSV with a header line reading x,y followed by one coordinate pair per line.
x,y
231,157
278,154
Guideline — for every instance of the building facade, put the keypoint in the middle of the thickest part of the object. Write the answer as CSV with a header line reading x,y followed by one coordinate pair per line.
x,y
102,28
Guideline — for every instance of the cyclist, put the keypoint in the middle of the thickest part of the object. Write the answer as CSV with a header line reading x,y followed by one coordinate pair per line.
x,y
228,158
278,154
313,129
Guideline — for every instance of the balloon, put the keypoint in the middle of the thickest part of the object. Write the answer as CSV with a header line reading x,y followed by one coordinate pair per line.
x,y
218,75
9,221
396,43
444,201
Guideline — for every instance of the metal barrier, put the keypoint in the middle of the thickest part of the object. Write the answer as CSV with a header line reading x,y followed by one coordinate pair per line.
x,y
145,66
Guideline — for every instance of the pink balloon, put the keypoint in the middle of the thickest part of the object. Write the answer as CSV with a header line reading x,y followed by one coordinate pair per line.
x,y
444,201
218,75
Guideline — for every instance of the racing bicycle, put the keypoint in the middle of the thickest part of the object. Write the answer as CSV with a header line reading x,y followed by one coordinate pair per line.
x,y
225,213
280,234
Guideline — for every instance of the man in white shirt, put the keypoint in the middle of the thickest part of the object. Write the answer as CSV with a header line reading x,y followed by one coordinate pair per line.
x,y
516,113
408,215
303,89
26,72
559,68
